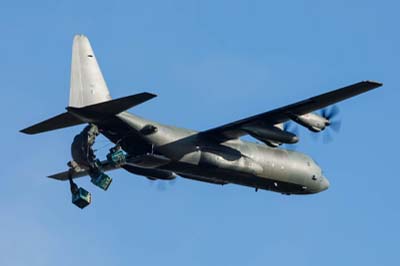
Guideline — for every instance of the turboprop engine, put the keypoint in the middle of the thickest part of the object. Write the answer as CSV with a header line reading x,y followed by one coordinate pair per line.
x,y
271,135
313,122
318,123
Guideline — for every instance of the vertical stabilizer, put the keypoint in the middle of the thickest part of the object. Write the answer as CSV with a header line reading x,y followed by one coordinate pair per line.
x,y
88,86
89,99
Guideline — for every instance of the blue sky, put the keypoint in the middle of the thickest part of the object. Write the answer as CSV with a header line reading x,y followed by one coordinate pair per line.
x,y
210,62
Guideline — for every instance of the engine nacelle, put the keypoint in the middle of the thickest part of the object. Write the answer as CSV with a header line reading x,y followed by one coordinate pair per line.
x,y
313,122
271,135
150,173
271,143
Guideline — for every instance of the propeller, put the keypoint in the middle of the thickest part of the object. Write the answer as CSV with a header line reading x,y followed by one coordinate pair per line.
x,y
334,124
292,128
329,114
162,185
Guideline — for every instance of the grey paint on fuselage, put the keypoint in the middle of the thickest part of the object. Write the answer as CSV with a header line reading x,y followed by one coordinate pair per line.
x,y
215,155
234,161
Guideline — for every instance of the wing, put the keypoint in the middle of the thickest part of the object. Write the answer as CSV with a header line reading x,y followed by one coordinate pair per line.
x,y
280,115
141,165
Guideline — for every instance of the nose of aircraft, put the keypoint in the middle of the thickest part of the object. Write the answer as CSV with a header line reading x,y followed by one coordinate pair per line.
x,y
324,183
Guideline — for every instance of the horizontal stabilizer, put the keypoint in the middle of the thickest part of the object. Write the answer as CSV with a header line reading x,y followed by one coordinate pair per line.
x,y
60,121
89,114
63,176
110,108
107,166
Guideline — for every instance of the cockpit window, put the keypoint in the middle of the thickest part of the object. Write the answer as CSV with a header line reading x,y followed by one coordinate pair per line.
x,y
314,178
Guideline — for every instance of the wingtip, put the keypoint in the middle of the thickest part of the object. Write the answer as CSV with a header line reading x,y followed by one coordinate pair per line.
x,y
375,83
150,95
59,177
146,95
26,131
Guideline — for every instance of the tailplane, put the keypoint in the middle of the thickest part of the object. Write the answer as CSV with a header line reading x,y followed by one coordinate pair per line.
x,y
89,114
90,100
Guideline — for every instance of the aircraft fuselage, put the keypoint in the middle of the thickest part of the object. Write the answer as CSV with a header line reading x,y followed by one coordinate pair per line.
x,y
193,156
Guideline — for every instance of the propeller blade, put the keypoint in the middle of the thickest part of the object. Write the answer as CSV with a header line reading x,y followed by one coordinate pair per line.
x,y
291,127
324,112
286,126
315,135
330,113
336,125
327,137
334,111
291,147
161,186
294,129
172,182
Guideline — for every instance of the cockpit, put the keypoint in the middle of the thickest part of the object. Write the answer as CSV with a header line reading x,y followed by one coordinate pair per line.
x,y
316,182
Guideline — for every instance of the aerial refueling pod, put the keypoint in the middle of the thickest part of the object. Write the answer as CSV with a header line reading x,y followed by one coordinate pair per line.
x,y
271,135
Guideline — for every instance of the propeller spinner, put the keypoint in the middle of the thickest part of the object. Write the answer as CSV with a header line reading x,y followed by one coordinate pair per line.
x,y
329,114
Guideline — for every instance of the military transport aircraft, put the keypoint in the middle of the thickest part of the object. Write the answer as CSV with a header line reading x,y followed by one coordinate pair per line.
x,y
157,151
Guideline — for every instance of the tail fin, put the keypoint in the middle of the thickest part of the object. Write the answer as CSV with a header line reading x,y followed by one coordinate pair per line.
x,y
90,100
88,86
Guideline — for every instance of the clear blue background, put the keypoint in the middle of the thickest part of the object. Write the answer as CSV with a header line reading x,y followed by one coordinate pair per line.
x,y
211,62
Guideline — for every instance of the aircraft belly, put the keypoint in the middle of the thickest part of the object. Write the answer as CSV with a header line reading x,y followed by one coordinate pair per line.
x,y
233,161
206,171
221,175
219,161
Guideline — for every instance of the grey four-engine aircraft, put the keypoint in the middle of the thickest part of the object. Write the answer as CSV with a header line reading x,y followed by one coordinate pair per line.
x,y
158,151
